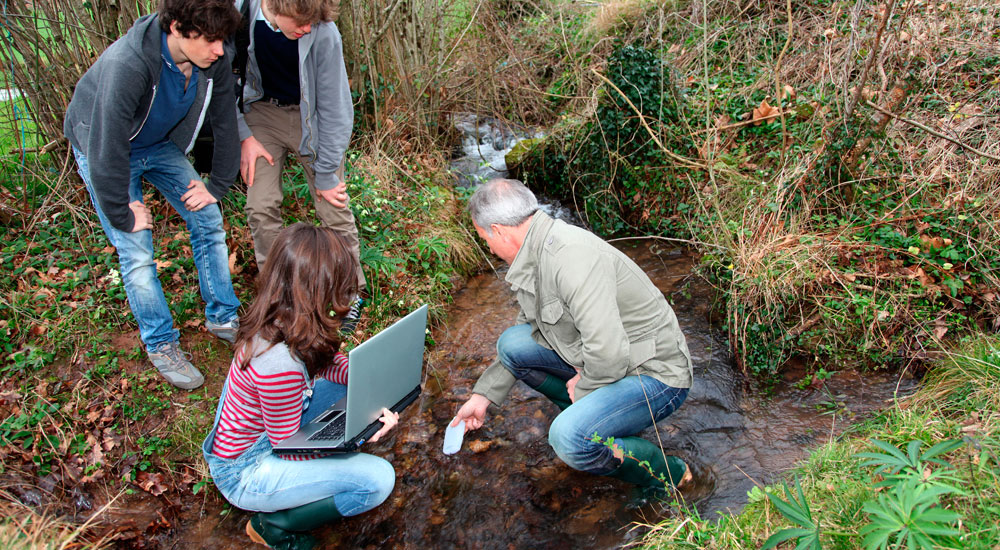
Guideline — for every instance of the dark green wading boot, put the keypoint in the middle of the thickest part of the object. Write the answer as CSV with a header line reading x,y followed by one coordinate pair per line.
x,y
554,389
287,529
674,471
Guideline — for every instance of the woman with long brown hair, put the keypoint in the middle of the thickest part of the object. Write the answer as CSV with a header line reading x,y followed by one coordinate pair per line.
x,y
287,370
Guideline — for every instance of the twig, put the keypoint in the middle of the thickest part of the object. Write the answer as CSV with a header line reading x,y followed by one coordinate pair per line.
x,y
933,132
390,11
876,51
40,150
777,80
738,124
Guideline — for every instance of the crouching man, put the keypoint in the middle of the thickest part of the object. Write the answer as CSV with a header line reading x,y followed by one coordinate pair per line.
x,y
594,335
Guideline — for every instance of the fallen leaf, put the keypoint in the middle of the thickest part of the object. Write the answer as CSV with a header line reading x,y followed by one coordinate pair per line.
x,y
163,264
829,34
763,113
233,268
151,483
478,446
932,242
10,396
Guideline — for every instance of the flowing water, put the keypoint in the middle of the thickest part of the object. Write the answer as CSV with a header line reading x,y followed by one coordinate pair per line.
x,y
506,489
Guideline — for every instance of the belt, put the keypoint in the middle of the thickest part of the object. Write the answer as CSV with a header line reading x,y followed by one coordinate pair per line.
x,y
277,102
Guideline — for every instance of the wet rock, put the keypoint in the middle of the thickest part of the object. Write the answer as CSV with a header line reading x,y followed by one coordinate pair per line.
x,y
479,446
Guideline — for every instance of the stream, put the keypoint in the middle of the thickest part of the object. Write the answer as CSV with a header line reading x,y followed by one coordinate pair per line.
x,y
506,489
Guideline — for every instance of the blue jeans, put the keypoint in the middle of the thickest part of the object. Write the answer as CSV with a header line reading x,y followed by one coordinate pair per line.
x,y
260,481
617,410
166,167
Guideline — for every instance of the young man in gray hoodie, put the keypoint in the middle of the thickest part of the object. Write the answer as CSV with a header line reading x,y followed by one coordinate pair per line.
x,y
296,99
134,116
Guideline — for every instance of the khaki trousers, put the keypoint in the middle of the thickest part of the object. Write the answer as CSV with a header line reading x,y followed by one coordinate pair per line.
x,y
279,130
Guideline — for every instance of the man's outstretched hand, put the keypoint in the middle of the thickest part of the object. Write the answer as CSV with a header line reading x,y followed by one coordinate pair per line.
x,y
143,220
473,412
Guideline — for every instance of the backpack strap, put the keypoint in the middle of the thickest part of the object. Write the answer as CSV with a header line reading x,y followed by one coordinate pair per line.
x,y
242,41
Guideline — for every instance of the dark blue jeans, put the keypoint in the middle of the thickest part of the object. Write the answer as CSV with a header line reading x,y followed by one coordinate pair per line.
x,y
617,410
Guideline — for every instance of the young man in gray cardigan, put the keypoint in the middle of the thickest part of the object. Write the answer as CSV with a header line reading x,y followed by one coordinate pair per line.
x,y
296,99
134,116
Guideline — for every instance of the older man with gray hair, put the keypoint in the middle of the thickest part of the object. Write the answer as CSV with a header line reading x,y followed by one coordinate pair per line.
x,y
594,335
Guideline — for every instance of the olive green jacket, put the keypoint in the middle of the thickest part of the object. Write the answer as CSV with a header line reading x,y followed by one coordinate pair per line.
x,y
596,308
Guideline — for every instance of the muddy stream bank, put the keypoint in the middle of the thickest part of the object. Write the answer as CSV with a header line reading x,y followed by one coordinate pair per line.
x,y
506,489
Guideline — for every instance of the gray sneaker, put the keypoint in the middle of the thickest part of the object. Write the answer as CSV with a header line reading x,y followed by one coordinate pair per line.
x,y
175,365
225,331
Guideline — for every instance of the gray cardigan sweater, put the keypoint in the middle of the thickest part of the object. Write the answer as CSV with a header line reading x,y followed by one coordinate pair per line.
x,y
109,108
326,107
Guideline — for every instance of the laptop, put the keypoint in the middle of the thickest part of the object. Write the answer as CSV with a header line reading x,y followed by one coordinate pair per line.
x,y
384,371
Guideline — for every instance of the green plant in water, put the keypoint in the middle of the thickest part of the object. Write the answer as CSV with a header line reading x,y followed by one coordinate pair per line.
x,y
797,511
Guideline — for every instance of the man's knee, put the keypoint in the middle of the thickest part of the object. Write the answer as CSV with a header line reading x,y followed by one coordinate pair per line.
x,y
572,444
263,203
510,345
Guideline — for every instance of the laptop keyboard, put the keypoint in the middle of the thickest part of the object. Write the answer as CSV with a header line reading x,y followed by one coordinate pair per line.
x,y
333,430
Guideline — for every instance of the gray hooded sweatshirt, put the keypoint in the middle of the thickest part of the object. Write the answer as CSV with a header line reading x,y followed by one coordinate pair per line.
x,y
109,108
325,104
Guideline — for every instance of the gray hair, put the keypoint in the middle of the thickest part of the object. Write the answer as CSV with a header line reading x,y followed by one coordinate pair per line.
x,y
502,201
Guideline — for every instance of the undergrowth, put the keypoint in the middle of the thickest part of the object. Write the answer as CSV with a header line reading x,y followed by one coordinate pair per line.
x,y
79,404
835,233
924,474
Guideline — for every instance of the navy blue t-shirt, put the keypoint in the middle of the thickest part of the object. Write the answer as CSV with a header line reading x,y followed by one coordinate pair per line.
x,y
171,104
278,60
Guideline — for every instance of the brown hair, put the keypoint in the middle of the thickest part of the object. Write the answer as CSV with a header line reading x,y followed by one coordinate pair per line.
x,y
310,274
306,11
213,19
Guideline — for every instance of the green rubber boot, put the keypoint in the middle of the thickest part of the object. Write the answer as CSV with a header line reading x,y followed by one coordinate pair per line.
x,y
555,390
673,470
286,529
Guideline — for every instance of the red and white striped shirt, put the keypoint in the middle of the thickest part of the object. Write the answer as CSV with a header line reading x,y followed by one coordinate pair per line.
x,y
267,396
